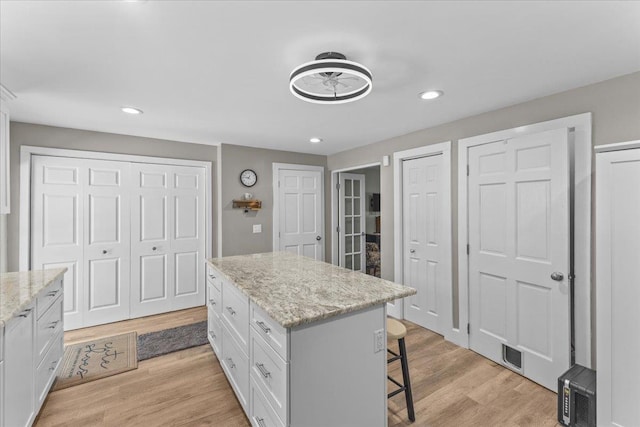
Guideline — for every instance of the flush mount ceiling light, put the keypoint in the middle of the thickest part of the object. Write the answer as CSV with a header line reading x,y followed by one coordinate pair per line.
x,y
131,110
315,140
431,94
330,79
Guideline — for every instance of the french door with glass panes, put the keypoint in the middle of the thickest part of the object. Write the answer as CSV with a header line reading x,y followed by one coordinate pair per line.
x,y
352,221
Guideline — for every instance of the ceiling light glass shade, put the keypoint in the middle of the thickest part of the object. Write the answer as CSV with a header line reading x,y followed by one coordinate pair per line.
x,y
431,94
131,110
315,140
330,79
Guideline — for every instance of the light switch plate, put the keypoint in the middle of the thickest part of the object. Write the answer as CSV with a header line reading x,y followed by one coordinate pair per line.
x,y
378,340
257,228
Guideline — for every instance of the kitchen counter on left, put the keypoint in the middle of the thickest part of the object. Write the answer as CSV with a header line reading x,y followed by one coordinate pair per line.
x,y
19,289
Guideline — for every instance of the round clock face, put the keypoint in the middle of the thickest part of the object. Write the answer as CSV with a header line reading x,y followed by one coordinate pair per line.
x,y
248,178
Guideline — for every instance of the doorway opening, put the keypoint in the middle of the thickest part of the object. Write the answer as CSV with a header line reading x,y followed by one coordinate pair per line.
x,y
356,219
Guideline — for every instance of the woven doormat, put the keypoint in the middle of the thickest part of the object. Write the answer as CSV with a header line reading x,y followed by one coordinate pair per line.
x,y
167,341
95,359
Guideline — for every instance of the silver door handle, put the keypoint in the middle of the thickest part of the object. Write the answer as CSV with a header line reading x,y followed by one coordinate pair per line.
x,y
318,238
231,364
212,276
413,251
231,310
557,276
53,325
25,313
260,422
262,370
212,302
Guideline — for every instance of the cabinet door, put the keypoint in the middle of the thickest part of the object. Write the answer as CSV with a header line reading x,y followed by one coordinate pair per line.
x,y
19,364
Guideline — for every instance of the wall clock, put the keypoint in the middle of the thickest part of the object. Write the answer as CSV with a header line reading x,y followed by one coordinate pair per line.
x,y
248,178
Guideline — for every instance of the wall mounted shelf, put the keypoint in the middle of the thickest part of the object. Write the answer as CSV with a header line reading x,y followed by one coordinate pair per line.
x,y
247,205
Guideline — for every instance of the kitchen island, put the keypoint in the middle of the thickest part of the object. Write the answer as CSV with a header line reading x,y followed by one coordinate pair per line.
x,y
302,342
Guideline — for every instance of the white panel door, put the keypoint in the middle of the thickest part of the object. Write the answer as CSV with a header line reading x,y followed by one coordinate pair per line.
x,y
423,235
152,266
618,287
300,212
187,236
106,242
57,227
167,238
519,234
352,221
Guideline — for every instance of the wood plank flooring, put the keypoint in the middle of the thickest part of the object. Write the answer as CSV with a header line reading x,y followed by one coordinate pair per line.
x,y
452,386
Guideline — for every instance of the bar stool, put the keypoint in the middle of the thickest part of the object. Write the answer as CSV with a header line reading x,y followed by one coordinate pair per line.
x,y
397,331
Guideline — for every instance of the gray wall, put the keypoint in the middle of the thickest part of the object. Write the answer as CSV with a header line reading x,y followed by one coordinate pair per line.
x,y
615,105
74,139
237,235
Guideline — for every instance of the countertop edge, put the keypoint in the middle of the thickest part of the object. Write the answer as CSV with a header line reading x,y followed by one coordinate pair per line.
x,y
33,298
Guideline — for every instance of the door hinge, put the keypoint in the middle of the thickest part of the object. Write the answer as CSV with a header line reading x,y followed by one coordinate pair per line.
x,y
467,170
337,186
278,234
468,249
338,229
468,328
278,184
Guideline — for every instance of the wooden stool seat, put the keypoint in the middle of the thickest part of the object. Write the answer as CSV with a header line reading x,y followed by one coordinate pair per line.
x,y
395,329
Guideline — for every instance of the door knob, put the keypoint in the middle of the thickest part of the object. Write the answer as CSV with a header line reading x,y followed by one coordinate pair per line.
x,y
318,238
104,251
154,248
413,251
557,276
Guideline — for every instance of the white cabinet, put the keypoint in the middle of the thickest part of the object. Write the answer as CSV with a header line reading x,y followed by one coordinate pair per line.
x,y
132,235
33,347
618,283
19,363
4,157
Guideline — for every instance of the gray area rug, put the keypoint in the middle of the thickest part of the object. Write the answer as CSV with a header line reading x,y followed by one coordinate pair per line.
x,y
169,340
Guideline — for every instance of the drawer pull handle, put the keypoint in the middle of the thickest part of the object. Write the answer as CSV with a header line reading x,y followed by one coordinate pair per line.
x,y
53,293
231,310
231,364
262,370
264,327
213,335
53,365
25,313
53,325
260,422
212,276
212,302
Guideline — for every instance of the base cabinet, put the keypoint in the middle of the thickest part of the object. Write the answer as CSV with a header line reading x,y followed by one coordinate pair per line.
x,y
19,362
296,376
33,347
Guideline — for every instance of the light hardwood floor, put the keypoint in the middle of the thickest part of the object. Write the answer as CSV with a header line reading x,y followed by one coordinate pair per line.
x,y
452,386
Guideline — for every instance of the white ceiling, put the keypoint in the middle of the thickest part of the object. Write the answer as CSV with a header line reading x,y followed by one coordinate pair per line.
x,y
217,72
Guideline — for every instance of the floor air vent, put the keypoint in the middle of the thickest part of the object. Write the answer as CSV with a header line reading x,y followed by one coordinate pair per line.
x,y
512,357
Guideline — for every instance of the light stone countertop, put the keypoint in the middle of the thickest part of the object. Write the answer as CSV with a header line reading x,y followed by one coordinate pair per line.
x,y
19,289
296,290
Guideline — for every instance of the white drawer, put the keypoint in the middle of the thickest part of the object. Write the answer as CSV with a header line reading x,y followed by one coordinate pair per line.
x,y
270,372
48,326
214,298
236,365
235,312
215,332
271,331
261,413
47,297
47,368
214,277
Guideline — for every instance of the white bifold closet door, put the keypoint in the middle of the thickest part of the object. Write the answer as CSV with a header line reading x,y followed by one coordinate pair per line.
x,y
130,234
167,239
80,220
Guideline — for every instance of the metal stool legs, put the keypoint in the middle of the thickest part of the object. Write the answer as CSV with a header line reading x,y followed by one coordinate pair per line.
x,y
406,387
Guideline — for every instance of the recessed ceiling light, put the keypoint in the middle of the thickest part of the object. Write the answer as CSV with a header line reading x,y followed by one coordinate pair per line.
x,y
431,94
131,110
315,140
